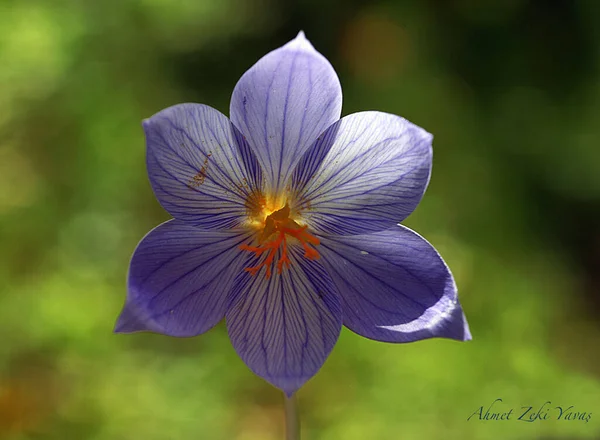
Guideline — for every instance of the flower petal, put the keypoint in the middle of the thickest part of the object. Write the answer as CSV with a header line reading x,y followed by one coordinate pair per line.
x,y
287,99
394,286
200,168
179,280
366,173
284,328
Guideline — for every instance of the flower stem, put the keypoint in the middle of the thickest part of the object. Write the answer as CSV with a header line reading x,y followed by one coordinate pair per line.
x,y
292,421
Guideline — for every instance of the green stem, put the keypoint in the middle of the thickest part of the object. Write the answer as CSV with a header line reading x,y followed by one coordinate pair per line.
x,y
292,420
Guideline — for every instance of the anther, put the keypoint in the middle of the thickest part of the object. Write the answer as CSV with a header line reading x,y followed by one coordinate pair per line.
x,y
277,227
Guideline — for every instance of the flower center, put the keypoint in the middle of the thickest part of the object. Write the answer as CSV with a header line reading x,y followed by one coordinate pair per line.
x,y
278,228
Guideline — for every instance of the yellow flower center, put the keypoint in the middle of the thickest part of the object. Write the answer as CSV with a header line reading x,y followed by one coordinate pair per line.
x,y
276,228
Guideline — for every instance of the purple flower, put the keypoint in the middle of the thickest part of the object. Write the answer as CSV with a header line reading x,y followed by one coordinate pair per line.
x,y
286,224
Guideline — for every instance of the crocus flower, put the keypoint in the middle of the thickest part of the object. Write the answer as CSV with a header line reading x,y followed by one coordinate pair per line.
x,y
286,224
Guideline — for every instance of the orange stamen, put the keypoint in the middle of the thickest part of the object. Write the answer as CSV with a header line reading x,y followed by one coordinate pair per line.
x,y
277,227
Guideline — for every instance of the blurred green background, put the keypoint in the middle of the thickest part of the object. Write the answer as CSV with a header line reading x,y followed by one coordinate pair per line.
x,y
509,88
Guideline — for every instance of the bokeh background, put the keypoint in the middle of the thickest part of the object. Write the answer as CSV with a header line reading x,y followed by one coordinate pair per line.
x,y
511,91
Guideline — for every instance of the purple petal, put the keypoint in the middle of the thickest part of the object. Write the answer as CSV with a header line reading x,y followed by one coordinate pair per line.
x,y
179,280
284,328
289,97
200,168
366,173
394,286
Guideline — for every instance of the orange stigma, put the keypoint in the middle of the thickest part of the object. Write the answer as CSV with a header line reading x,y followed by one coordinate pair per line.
x,y
279,225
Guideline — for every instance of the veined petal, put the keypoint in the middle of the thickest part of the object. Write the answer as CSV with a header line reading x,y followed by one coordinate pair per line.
x,y
179,280
366,173
284,327
283,103
199,166
394,286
